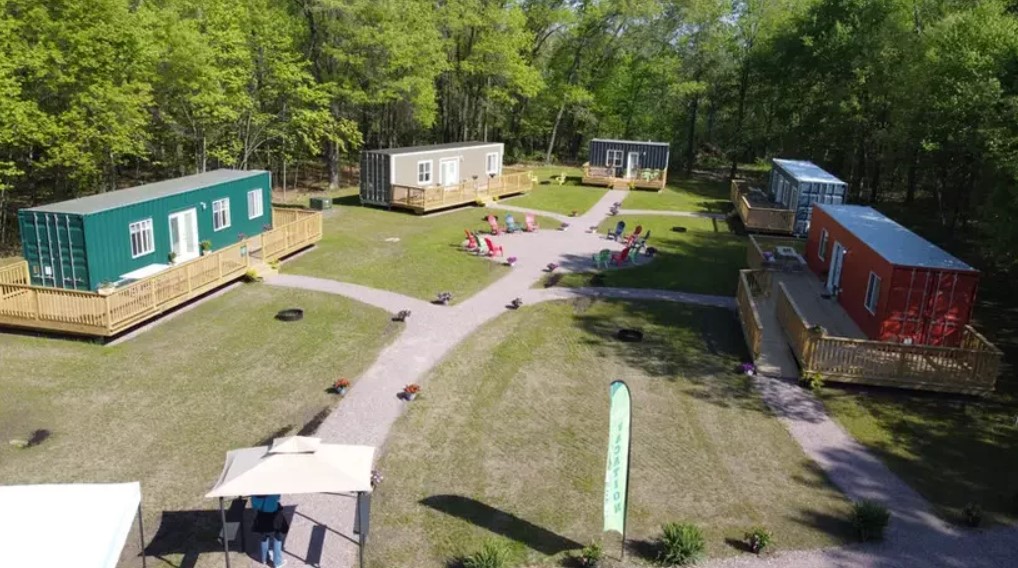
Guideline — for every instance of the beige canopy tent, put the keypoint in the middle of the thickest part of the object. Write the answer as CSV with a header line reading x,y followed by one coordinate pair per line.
x,y
296,465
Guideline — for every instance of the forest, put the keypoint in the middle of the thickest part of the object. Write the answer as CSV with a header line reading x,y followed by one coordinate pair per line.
x,y
913,102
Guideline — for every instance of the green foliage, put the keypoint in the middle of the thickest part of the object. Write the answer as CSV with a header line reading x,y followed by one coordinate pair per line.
x,y
680,544
758,539
973,514
869,520
590,556
493,554
812,381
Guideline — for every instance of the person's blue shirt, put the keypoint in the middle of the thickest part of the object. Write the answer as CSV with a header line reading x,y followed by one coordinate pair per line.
x,y
265,503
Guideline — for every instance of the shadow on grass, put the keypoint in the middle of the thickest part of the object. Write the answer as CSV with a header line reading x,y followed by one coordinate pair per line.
x,y
501,523
353,200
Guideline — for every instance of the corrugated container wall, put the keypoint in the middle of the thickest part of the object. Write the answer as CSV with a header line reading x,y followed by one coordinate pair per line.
x,y
801,195
376,188
54,246
653,155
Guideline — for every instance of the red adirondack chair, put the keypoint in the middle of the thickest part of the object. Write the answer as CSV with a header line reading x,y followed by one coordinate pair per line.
x,y
636,234
471,242
493,249
619,258
531,223
495,229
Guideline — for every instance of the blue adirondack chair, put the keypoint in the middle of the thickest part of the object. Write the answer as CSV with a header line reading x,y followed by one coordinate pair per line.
x,y
620,228
511,226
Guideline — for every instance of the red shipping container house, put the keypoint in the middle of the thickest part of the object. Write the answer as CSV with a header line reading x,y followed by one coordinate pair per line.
x,y
894,284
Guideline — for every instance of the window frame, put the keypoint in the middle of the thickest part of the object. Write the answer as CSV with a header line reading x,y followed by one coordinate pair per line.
x,y
224,210
487,163
822,250
142,229
617,161
872,293
258,202
430,172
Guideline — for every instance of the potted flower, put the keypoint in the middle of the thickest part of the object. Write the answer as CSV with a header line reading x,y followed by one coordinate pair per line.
x,y
632,185
574,213
563,226
747,369
818,330
241,237
410,391
511,260
376,478
340,386
206,246
105,288
552,266
171,257
444,298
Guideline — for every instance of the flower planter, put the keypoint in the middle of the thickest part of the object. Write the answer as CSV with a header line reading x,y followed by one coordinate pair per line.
x,y
341,391
409,395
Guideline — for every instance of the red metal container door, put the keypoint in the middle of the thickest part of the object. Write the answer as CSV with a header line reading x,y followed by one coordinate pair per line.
x,y
946,310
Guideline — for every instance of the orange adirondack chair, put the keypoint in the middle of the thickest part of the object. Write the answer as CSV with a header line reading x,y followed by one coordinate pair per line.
x,y
636,234
471,242
493,249
495,229
531,223
619,258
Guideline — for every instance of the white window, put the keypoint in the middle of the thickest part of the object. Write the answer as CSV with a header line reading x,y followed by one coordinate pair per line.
x,y
614,159
255,207
872,293
220,214
822,251
142,241
424,172
493,163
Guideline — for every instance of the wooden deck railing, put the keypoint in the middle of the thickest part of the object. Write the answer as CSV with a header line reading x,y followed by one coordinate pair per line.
x,y
749,315
763,219
424,199
971,368
645,178
90,313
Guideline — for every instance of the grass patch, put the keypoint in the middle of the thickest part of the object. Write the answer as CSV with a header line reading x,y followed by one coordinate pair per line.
x,y
705,259
687,194
563,199
164,407
509,441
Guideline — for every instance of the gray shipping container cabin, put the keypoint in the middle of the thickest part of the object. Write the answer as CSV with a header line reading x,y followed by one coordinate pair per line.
x,y
436,166
627,157
798,184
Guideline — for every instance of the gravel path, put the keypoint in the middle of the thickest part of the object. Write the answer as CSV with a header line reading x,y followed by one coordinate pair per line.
x,y
507,207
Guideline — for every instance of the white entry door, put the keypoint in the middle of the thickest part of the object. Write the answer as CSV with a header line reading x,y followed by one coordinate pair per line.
x,y
184,234
450,172
633,165
834,274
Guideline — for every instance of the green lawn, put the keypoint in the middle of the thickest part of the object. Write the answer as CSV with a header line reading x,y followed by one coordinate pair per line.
x,y
547,195
687,194
508,441
705,259
426,260
164,407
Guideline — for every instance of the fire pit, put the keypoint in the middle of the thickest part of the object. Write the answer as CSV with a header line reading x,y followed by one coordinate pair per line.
x,y
292,314
629,335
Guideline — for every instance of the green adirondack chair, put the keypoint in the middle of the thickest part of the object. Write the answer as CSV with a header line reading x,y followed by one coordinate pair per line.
x,y
482,247
602,258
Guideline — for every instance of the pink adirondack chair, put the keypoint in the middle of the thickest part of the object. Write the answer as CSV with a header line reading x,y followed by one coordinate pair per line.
x,y
495,229
531,223
471,242
619,258
493,249
636,234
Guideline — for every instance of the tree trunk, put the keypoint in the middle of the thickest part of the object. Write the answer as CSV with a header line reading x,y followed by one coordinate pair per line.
x,y
910,184
739,118
332,163
554,132
694,106
875,181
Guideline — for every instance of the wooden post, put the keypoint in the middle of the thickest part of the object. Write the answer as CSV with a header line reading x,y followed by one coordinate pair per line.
x,y
187,273
219,258
109,314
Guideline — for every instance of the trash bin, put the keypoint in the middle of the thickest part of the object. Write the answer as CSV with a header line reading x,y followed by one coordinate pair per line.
x,y
321,203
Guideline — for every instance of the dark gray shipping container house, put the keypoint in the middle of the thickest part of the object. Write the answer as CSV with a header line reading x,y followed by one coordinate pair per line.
x,y
798,184
627,163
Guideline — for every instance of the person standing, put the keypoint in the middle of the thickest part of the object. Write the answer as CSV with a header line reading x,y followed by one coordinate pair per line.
x,y
271,523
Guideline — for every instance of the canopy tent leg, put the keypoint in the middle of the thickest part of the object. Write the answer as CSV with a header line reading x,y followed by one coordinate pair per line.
x,y
141,537
226,542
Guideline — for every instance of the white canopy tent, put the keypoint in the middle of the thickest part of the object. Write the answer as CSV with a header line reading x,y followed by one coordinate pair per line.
x,y
91,522
296,465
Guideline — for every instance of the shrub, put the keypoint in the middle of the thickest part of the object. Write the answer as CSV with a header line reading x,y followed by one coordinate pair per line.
x,y
758,538
252,276
680,544
869,520
812,381
973,514
591,555
494,554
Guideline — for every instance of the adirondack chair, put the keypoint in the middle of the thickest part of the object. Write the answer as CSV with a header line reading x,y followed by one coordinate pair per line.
x,y
495,229
511,226
602,258
620,227
636,234
531,223
641,243
471,242
619,258
482,248
493,249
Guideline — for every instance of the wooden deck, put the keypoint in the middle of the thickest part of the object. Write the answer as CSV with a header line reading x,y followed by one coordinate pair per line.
x,y
653,180
103,315
781,309
426,199
758,218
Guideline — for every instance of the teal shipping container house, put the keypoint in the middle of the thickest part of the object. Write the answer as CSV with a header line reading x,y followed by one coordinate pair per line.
x,y
133,233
